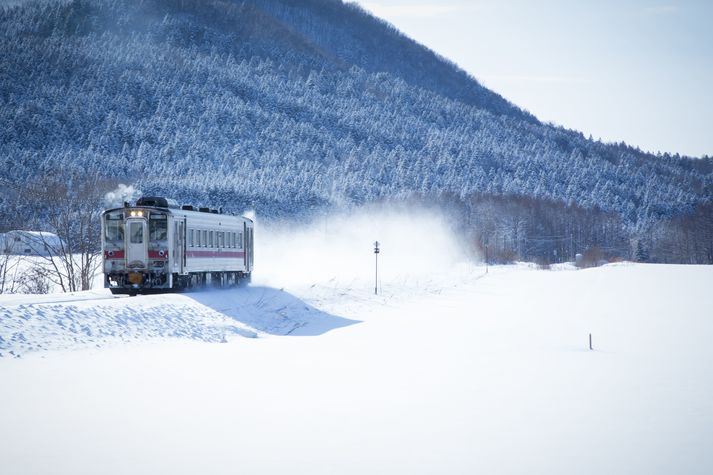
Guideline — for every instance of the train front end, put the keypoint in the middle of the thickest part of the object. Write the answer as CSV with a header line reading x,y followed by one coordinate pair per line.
x,y
135,248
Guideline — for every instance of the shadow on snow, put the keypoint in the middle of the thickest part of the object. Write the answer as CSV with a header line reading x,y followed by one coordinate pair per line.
x,y
270,310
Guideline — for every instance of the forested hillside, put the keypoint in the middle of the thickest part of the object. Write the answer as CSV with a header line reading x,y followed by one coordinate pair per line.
x,y
294,107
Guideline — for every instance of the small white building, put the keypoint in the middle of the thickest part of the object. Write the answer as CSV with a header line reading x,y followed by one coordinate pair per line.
x,y
30,243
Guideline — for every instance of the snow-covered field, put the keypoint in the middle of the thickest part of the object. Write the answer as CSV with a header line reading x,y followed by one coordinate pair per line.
x,y
448,370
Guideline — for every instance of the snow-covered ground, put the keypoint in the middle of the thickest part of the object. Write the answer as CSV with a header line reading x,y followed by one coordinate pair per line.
x,y
448,370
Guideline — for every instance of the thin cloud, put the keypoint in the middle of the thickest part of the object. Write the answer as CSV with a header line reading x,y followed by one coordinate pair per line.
x,y
660,10
419,10
528,78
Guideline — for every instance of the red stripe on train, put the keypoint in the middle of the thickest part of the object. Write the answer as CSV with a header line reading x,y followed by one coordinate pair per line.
x,y
224,254
119,254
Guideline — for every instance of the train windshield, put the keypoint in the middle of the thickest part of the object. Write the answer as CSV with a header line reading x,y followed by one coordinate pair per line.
x,y
158,227
114,229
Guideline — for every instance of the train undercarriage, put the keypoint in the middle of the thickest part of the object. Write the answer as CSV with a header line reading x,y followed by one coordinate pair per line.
x,y
134,283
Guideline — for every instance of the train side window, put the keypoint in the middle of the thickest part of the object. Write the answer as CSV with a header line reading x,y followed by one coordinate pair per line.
x,y
205,238
198,238
219,239
190,238
210,238
240,240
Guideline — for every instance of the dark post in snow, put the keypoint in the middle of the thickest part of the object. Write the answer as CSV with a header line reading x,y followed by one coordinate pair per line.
x,y
376,268
486,257
590,342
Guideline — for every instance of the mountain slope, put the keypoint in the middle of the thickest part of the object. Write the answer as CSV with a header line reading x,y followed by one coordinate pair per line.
x,y
288,107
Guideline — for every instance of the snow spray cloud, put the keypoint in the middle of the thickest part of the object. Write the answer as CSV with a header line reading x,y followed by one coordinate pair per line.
x,y
121,194
338,249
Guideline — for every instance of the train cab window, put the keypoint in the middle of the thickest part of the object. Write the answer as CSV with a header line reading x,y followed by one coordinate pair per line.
x,y
114,231
136,233
158,227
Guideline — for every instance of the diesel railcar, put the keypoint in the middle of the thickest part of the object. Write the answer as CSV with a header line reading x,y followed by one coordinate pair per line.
x,y
156,245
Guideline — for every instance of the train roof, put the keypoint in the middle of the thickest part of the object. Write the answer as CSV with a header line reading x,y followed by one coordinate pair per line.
x,y
172,206
158,202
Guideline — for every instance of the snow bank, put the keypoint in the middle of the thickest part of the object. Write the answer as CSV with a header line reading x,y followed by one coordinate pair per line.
x,y
85,319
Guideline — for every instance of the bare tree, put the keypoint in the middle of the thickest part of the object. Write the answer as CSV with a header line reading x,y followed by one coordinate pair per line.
x,y
34,280
9,271
70,208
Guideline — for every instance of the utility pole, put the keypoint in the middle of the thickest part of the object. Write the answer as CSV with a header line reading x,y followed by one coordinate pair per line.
x,y
486,257
376,268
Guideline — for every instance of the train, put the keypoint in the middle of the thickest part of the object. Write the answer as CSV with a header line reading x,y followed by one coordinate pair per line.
x,y
157,245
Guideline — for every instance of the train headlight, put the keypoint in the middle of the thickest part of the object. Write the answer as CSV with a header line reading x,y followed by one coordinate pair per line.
x,y
161,253
135,214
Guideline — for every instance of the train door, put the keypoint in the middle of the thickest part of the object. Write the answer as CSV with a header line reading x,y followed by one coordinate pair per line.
x,y
244,242
136,243
179,243
249,249
252,249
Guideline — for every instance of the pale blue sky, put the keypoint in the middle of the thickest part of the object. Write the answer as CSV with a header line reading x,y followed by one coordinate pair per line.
x,y
639,71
